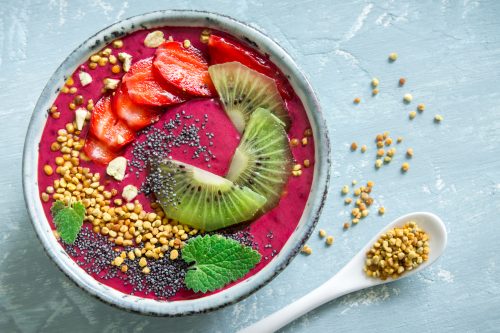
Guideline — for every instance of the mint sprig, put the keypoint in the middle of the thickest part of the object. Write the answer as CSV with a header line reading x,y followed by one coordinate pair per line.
x,y
68,219
217,262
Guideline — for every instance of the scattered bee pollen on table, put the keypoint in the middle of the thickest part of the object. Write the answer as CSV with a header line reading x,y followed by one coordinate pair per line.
x,y
407,98
306,250
382,156
345,189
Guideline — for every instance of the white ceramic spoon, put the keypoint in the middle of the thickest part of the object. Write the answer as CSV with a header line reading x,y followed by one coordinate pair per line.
x,y
352,278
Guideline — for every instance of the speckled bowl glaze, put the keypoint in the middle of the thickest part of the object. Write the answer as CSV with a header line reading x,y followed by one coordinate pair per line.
x,y
241,290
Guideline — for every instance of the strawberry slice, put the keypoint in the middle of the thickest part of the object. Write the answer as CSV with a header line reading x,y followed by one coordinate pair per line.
x,y
222,50
184,68
107,127
98,151
134,115
144,88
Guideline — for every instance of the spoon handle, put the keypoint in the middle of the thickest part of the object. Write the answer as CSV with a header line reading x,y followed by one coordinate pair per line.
x,y
330,290
290,312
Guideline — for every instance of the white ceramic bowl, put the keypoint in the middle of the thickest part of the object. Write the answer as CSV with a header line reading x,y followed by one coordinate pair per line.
x,y
241,290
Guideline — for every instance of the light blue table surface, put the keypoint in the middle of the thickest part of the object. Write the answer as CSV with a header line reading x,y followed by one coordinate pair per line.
x,y
449,51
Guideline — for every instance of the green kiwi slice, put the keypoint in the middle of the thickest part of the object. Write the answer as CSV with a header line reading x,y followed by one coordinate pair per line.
x,y
242,90
263,159
202,199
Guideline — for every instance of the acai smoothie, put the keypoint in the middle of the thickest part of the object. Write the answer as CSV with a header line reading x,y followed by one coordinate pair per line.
x,y
173,150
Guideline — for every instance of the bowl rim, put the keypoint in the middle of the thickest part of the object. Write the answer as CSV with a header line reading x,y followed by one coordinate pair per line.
x,y
243,289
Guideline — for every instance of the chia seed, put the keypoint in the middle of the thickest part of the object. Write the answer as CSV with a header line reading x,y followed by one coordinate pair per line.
x,y
270,236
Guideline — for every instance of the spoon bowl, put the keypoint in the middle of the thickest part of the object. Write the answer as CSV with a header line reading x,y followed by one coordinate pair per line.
x,y
430,223
352,278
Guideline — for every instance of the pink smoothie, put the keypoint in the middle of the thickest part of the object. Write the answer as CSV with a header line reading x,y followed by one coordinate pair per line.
x,y
270,231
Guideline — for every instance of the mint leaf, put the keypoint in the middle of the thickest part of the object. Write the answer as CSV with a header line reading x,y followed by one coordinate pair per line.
x,y
218,261
68,220
57,207
68,223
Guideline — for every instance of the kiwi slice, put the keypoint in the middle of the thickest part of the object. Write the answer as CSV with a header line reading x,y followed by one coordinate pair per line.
x,y
242,90
202,199
263,159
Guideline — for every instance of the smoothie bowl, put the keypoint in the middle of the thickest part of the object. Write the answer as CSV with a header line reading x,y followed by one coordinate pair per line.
x,y
175,163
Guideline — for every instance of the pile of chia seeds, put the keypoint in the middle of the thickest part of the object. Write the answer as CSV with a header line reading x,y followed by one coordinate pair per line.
x,y
162,183
95,254
165,279
159,143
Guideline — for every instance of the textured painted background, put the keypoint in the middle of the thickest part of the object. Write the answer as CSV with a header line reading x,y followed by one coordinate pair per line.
x,y
450,54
